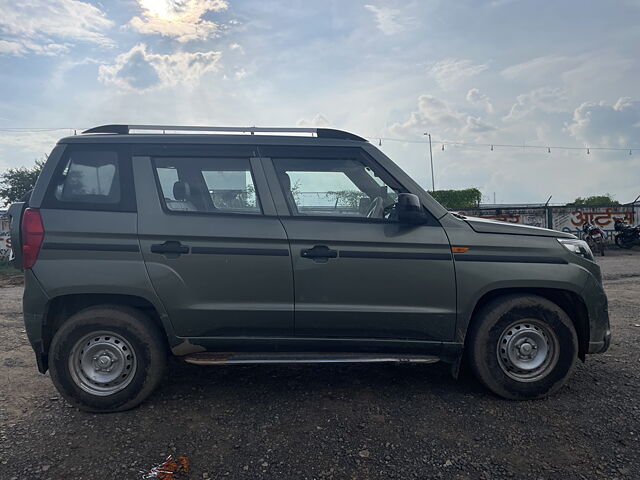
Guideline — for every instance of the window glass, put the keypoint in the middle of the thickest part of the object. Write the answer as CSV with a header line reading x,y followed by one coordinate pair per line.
x,y
344,188
168,177
213,185
90,177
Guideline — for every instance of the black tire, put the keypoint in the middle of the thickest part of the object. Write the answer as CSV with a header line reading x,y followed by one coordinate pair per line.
x,y
136,329
495,323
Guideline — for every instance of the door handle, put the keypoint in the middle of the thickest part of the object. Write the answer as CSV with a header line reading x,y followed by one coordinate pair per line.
x,y
319,252
170,247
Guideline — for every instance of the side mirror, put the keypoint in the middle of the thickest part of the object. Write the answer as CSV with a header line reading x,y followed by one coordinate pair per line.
x,y
409,209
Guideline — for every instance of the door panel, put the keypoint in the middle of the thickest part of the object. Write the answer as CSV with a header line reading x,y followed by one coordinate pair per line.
x,y
358,272
219,272
387,280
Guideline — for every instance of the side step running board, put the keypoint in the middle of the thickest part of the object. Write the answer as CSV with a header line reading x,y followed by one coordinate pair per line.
x,y
210,358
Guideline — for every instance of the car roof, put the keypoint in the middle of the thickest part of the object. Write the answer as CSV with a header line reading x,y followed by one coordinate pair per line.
x,y
210,139
215,135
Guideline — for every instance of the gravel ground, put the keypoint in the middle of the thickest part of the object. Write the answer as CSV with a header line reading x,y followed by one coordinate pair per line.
x,y
354,421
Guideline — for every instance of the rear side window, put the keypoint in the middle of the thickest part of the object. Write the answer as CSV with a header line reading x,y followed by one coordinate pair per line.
x,y
207,185
92,177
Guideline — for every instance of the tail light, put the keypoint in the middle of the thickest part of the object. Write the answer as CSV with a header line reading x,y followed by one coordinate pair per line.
x,y
32,236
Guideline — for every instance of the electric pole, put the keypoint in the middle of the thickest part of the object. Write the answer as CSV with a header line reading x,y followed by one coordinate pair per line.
x,y
433,180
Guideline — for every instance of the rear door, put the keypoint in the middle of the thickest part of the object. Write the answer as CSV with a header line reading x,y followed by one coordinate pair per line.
x,y
358,271
216,253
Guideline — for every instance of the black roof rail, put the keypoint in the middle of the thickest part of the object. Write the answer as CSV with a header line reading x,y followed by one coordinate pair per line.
x,y
319,132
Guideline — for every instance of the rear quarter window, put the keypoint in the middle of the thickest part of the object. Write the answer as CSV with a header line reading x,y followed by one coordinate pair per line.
x,y
92,177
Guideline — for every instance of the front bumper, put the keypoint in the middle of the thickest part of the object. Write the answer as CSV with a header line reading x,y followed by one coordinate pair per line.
x,y
598,311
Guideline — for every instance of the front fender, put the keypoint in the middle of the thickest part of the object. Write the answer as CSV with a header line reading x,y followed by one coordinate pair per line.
x,y
475,280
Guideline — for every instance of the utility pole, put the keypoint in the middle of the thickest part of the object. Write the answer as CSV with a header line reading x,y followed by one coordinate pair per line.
x,y
433,180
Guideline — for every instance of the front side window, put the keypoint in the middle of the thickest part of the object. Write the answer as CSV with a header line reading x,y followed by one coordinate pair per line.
x,y
207,185
335,188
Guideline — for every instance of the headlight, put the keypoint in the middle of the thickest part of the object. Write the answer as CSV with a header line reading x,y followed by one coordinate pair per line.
x,y
579,247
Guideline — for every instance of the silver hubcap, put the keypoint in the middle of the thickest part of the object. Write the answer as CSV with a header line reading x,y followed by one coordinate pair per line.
x,y
102,363
527,350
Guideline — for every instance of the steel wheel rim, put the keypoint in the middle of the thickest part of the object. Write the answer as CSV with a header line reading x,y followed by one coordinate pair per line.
x,y
527,350
102,363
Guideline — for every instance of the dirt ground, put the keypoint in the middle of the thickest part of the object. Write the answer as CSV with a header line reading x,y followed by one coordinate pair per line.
x,y
331,421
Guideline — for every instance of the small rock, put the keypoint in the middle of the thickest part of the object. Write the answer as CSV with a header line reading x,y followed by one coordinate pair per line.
x,y
364,453
46,467
448,463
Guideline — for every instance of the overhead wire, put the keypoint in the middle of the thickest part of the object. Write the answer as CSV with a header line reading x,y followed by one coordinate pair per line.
x,y
494,146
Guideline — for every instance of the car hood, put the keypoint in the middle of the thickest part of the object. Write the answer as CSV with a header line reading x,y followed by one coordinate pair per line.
x,y
484,225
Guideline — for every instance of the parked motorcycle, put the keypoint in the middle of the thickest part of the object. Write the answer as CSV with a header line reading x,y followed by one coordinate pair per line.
x,y
594,236
627,235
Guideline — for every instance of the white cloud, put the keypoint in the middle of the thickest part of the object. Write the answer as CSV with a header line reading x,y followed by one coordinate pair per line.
x,y
237,48
452,71
178,19
601,124
544,99
601,67
36,143
11,48
537,68
435,115
386,19
319,120
46,27
140,70
480,99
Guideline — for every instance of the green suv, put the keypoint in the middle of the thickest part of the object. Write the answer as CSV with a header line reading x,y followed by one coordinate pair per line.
x,y
256,245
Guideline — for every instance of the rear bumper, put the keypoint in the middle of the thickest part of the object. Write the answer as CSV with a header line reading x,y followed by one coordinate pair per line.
x,y
598,310
34,305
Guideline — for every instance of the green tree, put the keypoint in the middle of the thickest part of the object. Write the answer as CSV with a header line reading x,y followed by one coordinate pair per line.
x,y
16,182
594,201
458,199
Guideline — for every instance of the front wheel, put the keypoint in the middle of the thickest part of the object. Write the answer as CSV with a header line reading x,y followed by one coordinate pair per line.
x,y
107,358
522,346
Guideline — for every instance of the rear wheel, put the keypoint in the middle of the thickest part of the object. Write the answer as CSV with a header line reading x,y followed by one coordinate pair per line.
x,y
522,346
107,358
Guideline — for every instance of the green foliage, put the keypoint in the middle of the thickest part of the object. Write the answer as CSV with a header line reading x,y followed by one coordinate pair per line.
x,y
8,269
16,182
594,201
457,199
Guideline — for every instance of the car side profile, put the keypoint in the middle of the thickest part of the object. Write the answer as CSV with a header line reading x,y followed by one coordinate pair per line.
x,y
226,245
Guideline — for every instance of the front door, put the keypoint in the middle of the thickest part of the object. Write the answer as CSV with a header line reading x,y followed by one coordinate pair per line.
x,y
216,254
358,272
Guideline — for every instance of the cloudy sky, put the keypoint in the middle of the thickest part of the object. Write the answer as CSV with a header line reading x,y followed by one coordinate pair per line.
x,y
470,71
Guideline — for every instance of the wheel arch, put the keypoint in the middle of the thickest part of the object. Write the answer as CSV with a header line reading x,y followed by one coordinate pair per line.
x,y
569,301
62,307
